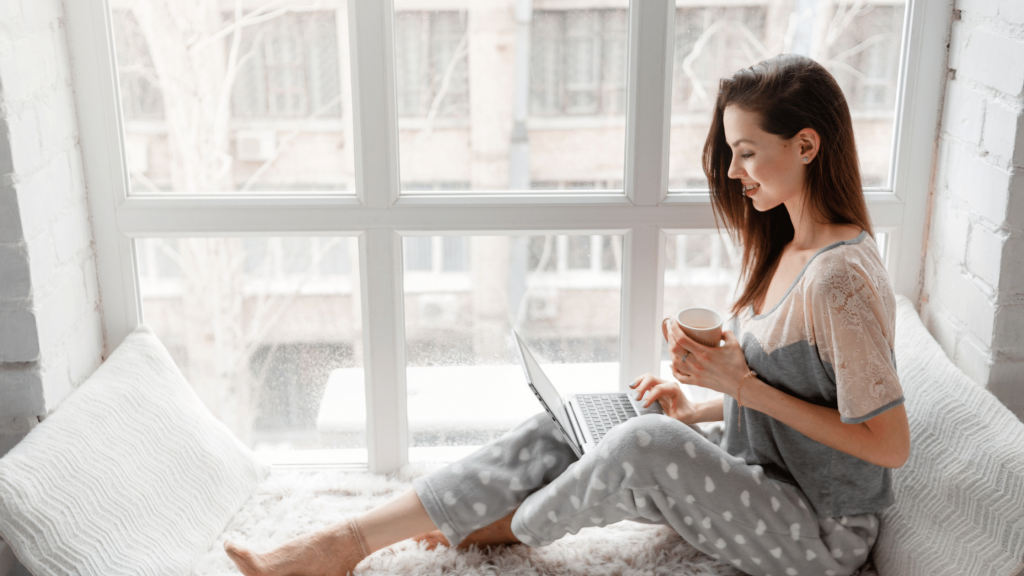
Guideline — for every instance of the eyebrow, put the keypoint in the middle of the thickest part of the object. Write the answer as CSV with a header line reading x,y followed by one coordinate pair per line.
x,y
741,140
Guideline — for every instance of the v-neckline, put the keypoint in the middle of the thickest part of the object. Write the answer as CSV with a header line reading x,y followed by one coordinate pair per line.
x,y
857,239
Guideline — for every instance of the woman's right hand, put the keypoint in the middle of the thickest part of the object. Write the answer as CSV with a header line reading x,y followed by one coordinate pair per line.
x,y
667,393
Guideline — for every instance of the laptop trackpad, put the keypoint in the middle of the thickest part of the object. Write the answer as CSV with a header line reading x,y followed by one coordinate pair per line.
x,y
654,408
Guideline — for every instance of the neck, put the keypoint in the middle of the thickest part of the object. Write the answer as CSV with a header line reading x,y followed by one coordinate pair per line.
x,y
808,232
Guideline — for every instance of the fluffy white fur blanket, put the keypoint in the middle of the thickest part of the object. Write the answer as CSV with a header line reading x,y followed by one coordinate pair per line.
x,y
290,503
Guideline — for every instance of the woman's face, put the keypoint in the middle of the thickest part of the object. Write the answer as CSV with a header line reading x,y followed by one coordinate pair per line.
x,y
771,169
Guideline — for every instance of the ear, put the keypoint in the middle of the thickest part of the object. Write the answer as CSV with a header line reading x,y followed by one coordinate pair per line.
x,y
807,143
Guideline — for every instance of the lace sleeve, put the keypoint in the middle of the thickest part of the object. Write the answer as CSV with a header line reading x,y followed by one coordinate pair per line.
x,y
854,323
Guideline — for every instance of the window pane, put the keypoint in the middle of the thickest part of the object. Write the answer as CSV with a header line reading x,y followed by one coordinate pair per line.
x,y
700,270
859,43
269,112
467,114
418,253
464,380
268,332
456,254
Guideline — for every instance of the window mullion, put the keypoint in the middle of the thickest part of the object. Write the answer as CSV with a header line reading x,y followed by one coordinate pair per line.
x,y
649,87
374,114
643,270
383,310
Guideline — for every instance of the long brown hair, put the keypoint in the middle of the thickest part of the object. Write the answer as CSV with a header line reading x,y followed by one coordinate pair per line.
x,y
789,92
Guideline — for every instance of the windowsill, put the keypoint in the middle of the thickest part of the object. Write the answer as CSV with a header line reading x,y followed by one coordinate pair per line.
x,y
447,398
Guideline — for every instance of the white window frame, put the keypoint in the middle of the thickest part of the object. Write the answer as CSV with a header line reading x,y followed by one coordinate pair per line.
x,y
378,216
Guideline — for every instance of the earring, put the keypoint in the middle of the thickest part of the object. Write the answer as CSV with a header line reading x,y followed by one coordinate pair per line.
x,y
806,159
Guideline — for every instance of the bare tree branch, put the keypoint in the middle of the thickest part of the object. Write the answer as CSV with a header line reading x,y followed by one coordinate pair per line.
x,y
860,47
283,145
845,15
699,92
145,181
850,69
524,300
460,52
257,16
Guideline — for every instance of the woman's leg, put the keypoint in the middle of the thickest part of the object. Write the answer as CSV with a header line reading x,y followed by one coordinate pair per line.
x,y
483,488
656,469
468,500
337,549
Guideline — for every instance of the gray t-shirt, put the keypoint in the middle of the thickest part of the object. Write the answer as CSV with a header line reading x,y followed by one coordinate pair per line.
x,y
829,341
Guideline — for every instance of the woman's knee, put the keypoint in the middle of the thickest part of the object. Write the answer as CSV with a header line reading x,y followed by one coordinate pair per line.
x,y
654,433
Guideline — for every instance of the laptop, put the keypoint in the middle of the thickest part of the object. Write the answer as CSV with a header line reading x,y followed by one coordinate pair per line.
x,y
584,419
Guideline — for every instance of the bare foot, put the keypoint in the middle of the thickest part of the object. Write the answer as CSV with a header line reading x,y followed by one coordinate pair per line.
x,y
497,534
334,551
433,539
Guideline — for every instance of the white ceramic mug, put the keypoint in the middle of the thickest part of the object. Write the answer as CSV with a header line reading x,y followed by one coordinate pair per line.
x,y
702,325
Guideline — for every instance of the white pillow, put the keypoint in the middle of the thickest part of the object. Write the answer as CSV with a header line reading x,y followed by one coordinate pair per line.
x,y
959,507
130,475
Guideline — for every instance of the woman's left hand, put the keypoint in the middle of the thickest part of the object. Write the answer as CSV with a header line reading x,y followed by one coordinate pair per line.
x,y
718,369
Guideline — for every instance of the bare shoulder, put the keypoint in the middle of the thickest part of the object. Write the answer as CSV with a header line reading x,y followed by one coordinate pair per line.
x,y
843,232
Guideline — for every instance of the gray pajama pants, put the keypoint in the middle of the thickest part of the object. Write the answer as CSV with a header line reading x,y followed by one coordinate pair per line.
x,y
650,469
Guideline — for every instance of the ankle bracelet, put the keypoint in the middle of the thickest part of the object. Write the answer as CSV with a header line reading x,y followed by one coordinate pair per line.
x,y
353,524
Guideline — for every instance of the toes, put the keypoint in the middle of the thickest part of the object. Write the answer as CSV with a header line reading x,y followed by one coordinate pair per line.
x,y
246,561
432,540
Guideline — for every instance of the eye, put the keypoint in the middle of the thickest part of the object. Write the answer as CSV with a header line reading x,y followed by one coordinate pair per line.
x,y
747,155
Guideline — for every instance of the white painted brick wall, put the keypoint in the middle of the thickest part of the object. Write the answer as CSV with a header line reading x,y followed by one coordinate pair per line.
x,y
51,337
973,297
985,255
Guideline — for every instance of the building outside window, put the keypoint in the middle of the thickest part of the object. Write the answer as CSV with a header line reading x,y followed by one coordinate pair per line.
x,y
289,68
430,63
578,64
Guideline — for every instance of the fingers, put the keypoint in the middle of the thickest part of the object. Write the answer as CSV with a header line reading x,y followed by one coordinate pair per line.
x,y
680,343
690,343
681,377
660,391
643,384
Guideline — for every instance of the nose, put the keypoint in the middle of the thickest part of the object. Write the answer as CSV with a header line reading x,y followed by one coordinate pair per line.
x,y
735,172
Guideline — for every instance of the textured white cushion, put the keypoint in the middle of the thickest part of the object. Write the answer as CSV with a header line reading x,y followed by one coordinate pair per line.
x,y
130,475
959,507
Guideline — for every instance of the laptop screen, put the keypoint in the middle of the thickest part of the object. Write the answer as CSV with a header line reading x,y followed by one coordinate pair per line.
x,y
550,397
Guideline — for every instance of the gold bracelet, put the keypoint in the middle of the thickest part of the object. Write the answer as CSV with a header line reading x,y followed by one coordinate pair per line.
x,y
739,398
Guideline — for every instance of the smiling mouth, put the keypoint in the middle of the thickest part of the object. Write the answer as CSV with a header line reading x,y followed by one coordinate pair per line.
x,y
747,188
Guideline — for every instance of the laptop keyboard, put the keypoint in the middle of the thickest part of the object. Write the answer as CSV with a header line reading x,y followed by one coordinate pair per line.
x,y
603,411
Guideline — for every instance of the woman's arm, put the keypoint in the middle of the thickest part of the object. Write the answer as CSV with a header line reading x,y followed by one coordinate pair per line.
x,y
709,411
883,440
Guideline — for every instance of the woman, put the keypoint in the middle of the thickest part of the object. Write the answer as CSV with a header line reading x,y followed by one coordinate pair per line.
x,y
812,405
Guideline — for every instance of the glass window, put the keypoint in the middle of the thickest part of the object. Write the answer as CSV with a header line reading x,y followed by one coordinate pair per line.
x,y
213,105
857,41
464,382
268,332
268,326
468,113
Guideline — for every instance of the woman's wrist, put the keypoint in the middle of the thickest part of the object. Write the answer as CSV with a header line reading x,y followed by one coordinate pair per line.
x,y
707,411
